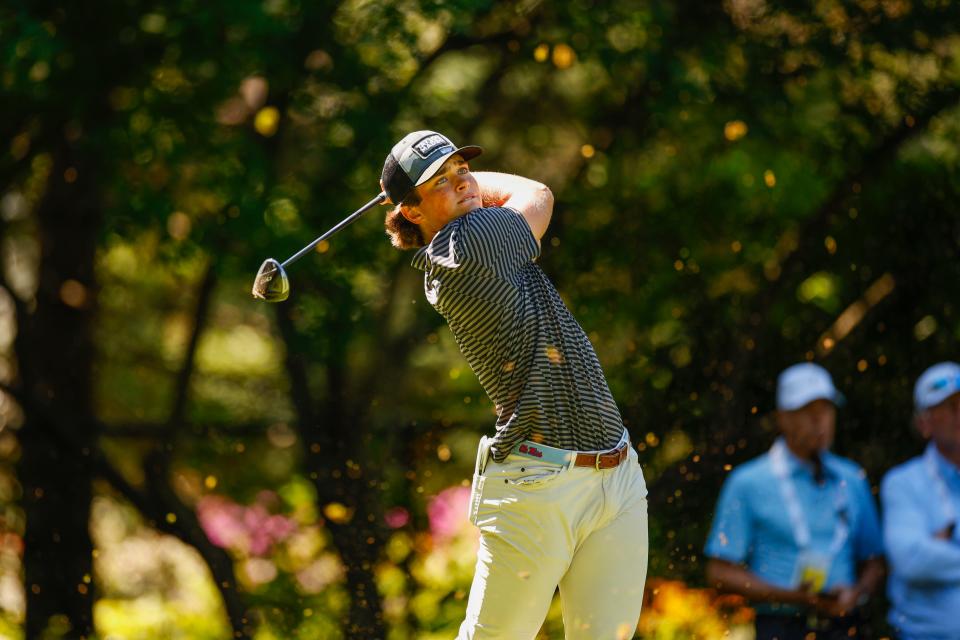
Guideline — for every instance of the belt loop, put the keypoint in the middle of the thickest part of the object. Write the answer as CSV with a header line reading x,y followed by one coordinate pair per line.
x,y
597,462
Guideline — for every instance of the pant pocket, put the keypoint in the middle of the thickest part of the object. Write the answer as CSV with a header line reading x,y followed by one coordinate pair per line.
x,y
532,476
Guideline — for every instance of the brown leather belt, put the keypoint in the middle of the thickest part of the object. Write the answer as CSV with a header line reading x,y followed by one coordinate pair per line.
x,y
599,460
603,459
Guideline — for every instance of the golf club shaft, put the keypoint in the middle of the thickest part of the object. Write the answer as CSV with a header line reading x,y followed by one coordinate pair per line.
x,y
340,225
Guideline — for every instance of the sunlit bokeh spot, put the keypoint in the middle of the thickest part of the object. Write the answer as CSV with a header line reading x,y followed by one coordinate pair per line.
x,y
254,92
179,225
830,244
40,71
267,121
734,130
324,571
153,23
318,60
258,571
820,288
281,435
563,56
338,513
541,53
73,294
554,355
926,327
20,146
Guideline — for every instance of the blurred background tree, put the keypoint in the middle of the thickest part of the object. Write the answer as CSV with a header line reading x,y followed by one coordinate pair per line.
x,y
739,186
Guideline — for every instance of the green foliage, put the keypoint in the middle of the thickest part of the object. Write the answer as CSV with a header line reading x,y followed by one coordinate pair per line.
x,y
730,178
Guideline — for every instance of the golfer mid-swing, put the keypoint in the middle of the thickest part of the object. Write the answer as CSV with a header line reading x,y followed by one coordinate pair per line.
x,y
558,493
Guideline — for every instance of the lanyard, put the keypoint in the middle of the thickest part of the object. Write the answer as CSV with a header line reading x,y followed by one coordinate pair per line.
x,y
929,457
801,531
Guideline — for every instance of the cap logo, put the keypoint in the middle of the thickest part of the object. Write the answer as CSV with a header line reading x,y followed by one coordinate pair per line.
x,y
430,144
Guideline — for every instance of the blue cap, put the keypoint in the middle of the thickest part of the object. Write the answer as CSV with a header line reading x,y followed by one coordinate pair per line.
x,y
803,383
935,385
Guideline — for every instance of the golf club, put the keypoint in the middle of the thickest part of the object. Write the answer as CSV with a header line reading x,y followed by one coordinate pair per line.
x,y
272,284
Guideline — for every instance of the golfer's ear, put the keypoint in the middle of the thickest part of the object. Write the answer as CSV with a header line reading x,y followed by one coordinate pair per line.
x,y
411,213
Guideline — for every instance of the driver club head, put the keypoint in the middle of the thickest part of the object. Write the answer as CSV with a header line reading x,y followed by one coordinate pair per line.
x,y
271,283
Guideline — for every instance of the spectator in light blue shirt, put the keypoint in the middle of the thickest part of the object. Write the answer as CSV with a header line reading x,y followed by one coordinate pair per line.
x,y
796,530
921,500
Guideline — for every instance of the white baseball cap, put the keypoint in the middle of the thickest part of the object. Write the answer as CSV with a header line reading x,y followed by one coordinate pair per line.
x,y
935,385
803,383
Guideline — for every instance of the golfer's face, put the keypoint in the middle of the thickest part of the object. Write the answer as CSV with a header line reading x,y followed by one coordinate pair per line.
x,y
449,194
810,428
941,423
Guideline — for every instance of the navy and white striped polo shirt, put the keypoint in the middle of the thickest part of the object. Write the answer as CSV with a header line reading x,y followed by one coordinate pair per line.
x,y
532,358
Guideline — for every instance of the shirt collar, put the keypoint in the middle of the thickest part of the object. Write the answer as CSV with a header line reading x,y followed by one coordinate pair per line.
x,y
420,260
947,469
440,251
797,465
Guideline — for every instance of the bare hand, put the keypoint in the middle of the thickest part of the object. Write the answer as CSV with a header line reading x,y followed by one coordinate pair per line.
x,y
805,595
838,602
946,533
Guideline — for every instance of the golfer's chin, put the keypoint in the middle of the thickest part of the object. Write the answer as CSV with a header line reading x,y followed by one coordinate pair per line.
x,y
466,206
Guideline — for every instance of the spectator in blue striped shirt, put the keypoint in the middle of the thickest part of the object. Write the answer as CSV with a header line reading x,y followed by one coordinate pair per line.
x,y
558,493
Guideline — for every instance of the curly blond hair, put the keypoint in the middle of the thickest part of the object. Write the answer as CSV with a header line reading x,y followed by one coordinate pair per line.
x,y
403,233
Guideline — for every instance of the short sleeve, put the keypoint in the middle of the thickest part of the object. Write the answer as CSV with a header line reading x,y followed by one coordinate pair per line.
x,y
729,537
497,238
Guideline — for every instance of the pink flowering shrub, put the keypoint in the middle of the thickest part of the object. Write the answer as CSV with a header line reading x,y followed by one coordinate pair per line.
x,y
250,530
447,513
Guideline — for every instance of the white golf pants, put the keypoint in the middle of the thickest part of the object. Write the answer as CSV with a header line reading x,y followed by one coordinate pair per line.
x,y
543,525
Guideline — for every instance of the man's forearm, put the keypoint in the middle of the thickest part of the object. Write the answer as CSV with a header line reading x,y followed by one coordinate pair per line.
x,y
728,577
496,188
532,199
871,575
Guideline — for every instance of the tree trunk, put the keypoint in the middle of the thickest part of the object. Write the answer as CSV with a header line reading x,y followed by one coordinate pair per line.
x,y
55,355
335,456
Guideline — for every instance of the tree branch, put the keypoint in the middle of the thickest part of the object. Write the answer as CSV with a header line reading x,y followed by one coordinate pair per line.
x,y
182,387
459,41
188,528
155,505
158,470
881,155
156,430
